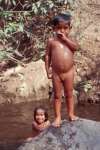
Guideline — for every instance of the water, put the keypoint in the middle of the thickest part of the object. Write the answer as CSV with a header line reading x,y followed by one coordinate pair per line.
x,y
16,119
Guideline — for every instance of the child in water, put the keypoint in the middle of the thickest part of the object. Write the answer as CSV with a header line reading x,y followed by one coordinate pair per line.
x,y
59,56
40,121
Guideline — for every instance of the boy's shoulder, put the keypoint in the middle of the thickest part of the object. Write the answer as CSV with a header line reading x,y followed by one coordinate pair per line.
x,y
50,40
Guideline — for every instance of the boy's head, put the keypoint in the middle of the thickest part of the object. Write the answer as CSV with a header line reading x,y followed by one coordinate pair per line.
x,y
62,23
62,17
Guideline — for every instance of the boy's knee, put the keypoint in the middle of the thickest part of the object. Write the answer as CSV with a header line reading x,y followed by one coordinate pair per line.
x,y
57,97
69,94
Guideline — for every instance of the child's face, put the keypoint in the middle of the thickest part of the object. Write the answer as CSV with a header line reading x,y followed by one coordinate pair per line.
x,y
40,116
62,27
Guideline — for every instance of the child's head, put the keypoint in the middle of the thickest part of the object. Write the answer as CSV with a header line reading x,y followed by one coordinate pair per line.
x,y
40,115
62,23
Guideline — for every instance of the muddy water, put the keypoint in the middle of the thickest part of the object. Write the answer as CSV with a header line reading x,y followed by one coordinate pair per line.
x,y
16,119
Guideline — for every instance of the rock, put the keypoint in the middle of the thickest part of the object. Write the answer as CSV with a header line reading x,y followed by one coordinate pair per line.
x,y
77,135
29,81
86,29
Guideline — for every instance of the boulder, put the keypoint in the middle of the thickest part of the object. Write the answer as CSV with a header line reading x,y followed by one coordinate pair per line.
x,y
77,135
25,82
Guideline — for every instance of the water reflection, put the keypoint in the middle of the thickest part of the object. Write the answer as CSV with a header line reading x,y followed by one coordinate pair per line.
x,y
16,119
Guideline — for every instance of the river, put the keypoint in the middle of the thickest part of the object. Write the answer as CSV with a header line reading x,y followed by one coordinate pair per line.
x,y
16,120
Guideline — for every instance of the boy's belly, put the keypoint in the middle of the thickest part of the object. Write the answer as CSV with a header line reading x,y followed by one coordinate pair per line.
x,y
62,61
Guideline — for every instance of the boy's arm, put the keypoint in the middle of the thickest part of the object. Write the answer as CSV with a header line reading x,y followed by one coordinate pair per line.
x,y
48,57
72,44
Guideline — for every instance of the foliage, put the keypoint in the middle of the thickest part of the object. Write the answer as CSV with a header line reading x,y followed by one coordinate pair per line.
x,y
15,5
37,6
34,23
42,7
3,55
86,86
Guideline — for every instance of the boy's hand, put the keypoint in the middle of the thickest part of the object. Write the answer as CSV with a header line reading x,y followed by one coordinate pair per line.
x,y
49,74
62,36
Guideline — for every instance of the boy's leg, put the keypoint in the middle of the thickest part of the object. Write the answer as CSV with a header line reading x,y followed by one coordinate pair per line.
x,y
57,86
68,89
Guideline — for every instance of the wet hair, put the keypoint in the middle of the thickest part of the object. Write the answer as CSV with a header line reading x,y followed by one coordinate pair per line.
x,y
45,112
61,17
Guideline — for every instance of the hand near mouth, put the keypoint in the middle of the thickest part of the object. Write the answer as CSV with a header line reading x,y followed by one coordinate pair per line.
x,y
62,36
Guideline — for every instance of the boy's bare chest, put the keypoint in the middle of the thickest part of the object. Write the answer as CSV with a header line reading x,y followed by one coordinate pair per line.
x,y
60,48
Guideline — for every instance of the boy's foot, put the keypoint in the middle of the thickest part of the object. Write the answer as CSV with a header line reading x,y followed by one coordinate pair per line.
x,y
73,118
57,122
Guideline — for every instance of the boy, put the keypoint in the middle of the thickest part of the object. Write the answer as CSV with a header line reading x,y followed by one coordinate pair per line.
x,y
59,57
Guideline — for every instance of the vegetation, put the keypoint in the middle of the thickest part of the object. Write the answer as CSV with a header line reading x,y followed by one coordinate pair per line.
x,y
33,22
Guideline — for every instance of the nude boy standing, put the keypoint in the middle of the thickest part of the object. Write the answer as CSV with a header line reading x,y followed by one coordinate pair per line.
x,y
59,56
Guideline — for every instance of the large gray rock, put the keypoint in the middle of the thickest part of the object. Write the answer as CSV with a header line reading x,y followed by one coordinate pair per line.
x,y
77,135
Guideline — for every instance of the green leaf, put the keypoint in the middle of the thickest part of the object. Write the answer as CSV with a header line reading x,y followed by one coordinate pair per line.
x,y
14,2
34,8
21,27
2,34
3,55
